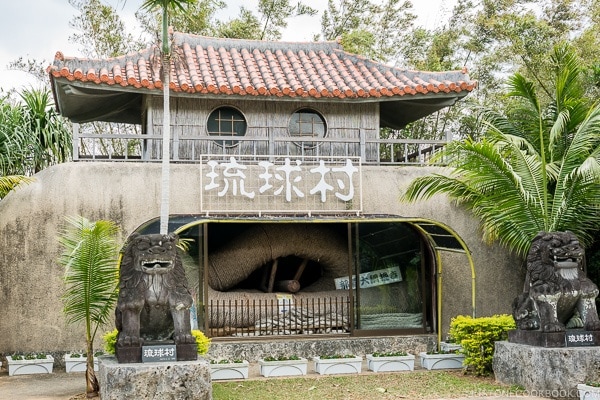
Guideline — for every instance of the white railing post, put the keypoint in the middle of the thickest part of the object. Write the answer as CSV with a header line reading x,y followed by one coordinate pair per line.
x,y
75,141
363,145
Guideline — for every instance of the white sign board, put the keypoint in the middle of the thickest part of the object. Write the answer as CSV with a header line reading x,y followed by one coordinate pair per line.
x,y
370,279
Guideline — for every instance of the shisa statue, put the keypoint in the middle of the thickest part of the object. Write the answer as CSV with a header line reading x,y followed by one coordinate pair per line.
x,y
557,294
154,300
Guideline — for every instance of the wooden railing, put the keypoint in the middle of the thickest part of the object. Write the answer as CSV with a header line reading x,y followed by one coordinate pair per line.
x,y
188,149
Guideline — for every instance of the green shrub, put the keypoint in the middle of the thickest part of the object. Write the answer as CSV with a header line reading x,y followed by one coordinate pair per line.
x,y
202,341
477,337
110,341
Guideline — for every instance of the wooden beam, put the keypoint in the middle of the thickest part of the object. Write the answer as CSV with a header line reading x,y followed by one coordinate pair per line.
x,y
301,269
272,277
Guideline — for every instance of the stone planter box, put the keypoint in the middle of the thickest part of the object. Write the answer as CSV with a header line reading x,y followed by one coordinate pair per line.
x,y
391,363
330,366
444,346
587,392
26,367
78,364
441,360
229,371
283,368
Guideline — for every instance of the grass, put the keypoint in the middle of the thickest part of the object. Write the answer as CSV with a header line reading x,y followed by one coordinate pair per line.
x,y
401,385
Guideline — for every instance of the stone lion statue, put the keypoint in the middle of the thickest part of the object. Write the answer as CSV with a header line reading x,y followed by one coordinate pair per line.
x,y
154,300
557,292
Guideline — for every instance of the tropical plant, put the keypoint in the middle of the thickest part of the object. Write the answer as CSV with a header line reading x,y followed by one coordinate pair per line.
x,y
537,166
32,135
8,183
90,258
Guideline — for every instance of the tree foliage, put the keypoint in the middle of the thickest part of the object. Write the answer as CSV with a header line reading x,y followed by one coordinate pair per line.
x,y
90,260
32,135
537,166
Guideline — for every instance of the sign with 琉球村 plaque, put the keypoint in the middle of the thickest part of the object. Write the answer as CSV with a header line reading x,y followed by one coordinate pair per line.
x,y
159,353
283,184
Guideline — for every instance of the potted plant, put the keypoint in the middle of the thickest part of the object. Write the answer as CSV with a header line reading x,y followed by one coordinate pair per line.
x,y
77,361
442,359
390,361
589,391
283,366
338,364
228,369
90,259
33,363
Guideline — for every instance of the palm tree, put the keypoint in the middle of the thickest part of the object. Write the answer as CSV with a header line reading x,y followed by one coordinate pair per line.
x,y
32,135
9,182
90,258
536,167
166,6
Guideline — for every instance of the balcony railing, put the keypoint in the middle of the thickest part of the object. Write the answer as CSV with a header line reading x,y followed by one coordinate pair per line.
x,y
188,149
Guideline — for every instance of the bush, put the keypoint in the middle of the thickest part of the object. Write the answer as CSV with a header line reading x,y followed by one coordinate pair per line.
x,y
477,337
110,341
202,341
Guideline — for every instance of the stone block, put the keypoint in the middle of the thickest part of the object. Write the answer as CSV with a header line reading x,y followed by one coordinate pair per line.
x,y
181,380
537,338
546,371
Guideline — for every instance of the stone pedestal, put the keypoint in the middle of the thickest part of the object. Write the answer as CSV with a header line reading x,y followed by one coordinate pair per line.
x,y
545,371
181,380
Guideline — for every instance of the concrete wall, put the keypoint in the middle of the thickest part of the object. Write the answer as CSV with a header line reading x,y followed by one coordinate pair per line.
x,y
129,193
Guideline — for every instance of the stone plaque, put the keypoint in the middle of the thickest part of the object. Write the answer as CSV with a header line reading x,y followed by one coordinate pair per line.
x,y
580,339
159,353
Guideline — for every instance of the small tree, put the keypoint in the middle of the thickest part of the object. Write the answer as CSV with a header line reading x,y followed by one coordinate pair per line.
x,y
90,258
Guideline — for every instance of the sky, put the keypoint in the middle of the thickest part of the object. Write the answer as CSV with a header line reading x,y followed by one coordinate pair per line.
x,y
37,29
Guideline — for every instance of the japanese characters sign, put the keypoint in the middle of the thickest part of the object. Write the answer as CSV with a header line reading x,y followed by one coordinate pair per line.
x,y
288,184
156,353
579,339
370,279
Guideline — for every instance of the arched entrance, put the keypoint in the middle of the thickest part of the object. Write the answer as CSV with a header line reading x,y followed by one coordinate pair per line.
x,y
366,275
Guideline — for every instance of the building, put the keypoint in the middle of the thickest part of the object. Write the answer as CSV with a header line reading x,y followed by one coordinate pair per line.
x,y
281,183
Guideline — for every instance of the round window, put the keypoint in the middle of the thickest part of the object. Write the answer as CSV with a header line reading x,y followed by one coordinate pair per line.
x,y
307,123
226,121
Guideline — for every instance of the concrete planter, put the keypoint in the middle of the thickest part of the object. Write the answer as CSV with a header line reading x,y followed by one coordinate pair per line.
x,y
445,346
283,368
229,370
587,392
441,360
390,363
330,366
78,364
26,367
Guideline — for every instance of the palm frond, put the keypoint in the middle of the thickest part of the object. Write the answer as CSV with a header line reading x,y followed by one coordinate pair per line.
x,y
91,274
10,182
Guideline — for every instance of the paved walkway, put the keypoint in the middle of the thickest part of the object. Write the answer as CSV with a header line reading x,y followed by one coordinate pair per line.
x,y
62,386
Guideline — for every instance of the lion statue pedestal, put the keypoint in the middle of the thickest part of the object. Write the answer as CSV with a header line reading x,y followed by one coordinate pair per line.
x,y
557,298
154,300
555,315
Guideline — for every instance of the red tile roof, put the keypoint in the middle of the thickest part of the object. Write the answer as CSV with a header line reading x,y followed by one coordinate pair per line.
x,y
211,66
